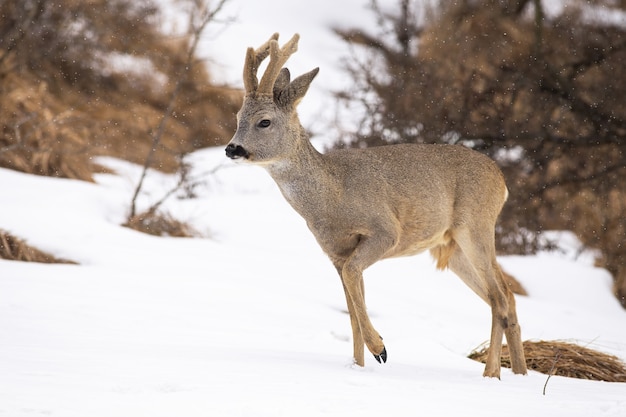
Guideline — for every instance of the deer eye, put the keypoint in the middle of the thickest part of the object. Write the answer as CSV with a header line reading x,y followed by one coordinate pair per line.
x,y
264,123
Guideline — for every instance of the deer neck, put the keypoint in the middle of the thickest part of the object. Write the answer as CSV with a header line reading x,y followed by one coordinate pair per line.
x,y
305,179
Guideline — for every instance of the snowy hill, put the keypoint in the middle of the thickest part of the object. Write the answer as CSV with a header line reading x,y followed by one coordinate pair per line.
x,y
251,320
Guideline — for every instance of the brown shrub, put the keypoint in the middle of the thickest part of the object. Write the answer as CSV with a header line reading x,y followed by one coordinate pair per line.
x,y
39,134
564,359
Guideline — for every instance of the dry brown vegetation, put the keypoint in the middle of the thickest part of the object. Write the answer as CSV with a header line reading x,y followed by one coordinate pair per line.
x,y
16,249
80,78
564,359
160,224
543,96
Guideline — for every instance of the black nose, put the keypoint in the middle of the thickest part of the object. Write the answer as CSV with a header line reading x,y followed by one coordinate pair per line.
x,y
236,151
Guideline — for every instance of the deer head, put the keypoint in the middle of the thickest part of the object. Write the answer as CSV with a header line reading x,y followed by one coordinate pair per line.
x,y
268,129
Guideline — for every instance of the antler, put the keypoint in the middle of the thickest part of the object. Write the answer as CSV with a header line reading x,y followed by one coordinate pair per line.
x,y
253,60
278,57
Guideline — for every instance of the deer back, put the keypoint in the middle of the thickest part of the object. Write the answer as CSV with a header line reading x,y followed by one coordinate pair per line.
x,y
419,191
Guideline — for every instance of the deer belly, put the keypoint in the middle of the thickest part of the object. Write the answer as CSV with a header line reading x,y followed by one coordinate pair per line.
x,y
412,244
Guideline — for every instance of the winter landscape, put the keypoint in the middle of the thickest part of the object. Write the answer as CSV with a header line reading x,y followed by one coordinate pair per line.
x,y
249,318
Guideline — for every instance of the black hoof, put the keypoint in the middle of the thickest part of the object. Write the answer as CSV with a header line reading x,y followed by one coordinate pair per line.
x,y
382,358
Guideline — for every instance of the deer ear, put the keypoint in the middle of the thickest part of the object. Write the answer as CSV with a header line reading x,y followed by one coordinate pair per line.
x,y
296,89
281,82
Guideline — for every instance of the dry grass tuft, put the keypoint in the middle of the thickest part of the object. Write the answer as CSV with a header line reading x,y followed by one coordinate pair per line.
x,y
15,249
564,359
160,224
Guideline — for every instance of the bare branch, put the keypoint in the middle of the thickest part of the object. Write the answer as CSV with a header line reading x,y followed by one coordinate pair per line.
x,y
194,32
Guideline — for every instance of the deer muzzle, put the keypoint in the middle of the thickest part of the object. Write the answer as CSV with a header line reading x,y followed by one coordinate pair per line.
x,y
236,151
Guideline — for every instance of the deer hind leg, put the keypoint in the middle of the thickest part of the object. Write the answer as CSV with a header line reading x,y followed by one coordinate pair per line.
x,y
461,266
474,262
513,335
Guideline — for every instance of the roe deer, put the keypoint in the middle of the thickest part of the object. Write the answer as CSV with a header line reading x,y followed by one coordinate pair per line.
x,y
364,205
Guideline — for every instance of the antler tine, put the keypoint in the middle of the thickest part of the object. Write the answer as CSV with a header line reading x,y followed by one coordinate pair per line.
x,y
253,60
278,57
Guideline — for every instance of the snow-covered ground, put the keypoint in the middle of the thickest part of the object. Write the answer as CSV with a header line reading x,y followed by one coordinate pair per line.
x,y
250,320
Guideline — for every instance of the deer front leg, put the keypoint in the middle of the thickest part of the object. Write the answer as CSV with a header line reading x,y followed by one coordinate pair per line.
x,y
367,252
357,337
